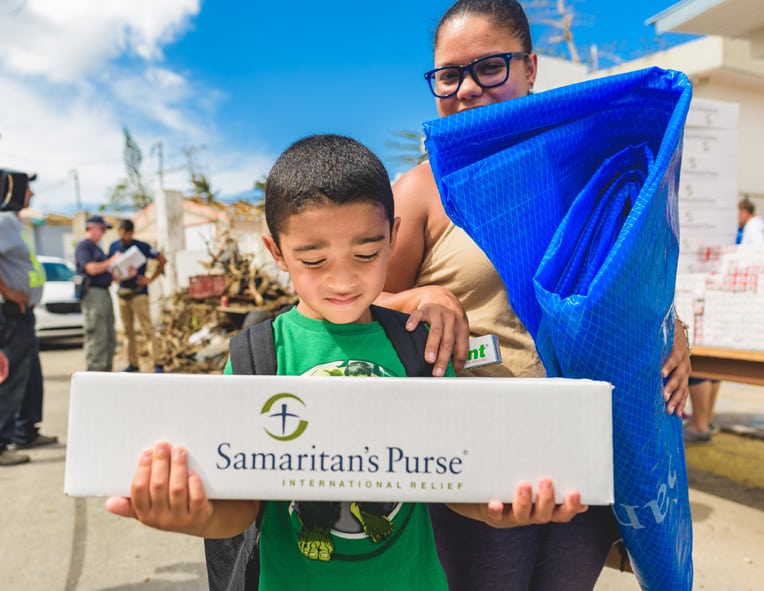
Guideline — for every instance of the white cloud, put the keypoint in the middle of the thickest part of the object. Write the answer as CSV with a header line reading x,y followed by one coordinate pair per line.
x,y
74,72
64,41
237,172
156,94
54,133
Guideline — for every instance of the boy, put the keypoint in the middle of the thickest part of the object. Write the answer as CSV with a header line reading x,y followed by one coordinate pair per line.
x,y
329,209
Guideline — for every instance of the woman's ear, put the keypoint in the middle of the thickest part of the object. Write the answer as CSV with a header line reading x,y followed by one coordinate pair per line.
x,y
531,69
275,251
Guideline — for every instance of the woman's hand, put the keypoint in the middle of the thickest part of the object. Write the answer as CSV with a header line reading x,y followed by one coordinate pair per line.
x,y
523,511
676,372
448,339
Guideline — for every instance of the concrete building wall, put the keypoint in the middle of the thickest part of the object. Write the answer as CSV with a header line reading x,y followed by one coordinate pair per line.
x,y
721,69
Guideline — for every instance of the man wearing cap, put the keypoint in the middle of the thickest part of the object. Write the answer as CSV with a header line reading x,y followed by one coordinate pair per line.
x,y
133,295
97,307
21,282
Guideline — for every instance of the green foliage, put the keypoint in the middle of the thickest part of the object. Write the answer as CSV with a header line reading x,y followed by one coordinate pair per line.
x,y
259,188
408,147
202,187
129,193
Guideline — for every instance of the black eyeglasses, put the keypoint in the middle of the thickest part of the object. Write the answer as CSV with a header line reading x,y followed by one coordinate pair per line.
x,y
487,72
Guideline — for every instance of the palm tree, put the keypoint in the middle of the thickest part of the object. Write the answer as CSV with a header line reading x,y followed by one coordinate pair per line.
x,y
409,147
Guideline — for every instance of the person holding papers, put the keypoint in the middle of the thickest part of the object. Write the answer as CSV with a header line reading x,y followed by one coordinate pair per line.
x,y
329,209
97,307
133,294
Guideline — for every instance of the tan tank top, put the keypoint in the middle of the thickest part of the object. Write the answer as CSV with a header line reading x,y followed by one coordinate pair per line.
x,y
457,263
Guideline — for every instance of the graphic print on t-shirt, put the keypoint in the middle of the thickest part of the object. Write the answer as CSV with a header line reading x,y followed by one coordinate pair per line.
x,y
350,368
342,530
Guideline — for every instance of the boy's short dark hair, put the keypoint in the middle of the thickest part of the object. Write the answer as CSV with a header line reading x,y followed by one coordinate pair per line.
x,y
322,169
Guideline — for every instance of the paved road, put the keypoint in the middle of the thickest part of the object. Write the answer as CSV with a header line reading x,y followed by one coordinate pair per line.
x,y
51,542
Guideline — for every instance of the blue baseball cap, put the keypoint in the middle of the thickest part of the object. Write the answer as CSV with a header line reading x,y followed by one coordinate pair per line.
x,y
97,220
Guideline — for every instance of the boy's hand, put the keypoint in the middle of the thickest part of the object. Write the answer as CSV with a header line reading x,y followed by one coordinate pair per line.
x,y
523,511
165,495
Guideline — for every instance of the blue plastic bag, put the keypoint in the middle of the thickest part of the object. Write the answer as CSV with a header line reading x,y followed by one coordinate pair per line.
x,y
572,194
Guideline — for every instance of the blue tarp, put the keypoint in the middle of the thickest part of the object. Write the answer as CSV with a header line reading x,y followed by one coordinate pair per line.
x,y
572,194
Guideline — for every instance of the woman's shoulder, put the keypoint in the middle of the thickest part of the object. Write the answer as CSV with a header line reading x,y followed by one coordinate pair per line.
x,y
416,192
415,180
417,202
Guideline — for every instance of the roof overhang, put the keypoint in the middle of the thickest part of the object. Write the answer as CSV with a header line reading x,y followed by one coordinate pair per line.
x,y
742,19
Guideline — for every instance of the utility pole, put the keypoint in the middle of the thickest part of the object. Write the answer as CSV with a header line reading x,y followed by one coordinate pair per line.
x,y
157,147
76,176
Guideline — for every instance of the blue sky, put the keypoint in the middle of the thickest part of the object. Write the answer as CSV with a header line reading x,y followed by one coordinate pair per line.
x,y
231,83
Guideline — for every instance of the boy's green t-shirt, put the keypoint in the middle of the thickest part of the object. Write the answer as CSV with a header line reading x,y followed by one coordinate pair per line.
x,y
330,546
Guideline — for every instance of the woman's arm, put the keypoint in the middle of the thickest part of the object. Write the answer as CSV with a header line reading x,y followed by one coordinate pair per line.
x,y
423,221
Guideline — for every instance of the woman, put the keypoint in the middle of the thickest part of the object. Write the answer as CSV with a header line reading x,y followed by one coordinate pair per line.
x,y
484,55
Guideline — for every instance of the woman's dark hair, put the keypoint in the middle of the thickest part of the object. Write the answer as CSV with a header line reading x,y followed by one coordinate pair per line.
x,y
503,13
322,169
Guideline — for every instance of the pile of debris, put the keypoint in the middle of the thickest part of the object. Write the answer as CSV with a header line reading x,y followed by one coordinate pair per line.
x,y
197,322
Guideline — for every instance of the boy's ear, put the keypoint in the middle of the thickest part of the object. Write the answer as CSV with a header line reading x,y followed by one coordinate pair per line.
x,y
273,248
394,232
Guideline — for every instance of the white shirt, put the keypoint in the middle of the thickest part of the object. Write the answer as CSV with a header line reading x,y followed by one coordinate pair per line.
x,y
753,232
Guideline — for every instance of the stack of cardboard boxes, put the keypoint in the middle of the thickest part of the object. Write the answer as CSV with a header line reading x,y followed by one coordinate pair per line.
x,y
708,188
720,287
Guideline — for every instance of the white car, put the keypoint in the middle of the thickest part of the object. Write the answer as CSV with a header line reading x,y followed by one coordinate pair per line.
x,y
58,315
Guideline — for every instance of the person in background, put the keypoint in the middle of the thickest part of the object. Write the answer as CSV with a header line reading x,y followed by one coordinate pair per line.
x,y
21,392
484,55
700,427
133,295
752,225
97,307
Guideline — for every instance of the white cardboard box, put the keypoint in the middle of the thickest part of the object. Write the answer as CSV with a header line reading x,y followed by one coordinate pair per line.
x,y
715,143
713,114
709,169
319,438
708,195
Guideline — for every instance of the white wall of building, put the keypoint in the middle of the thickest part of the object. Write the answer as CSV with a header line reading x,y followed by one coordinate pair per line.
x,y
721,69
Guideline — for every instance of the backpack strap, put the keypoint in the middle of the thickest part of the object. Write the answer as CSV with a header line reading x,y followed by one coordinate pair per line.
x,y
233,564
408,345
253,351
